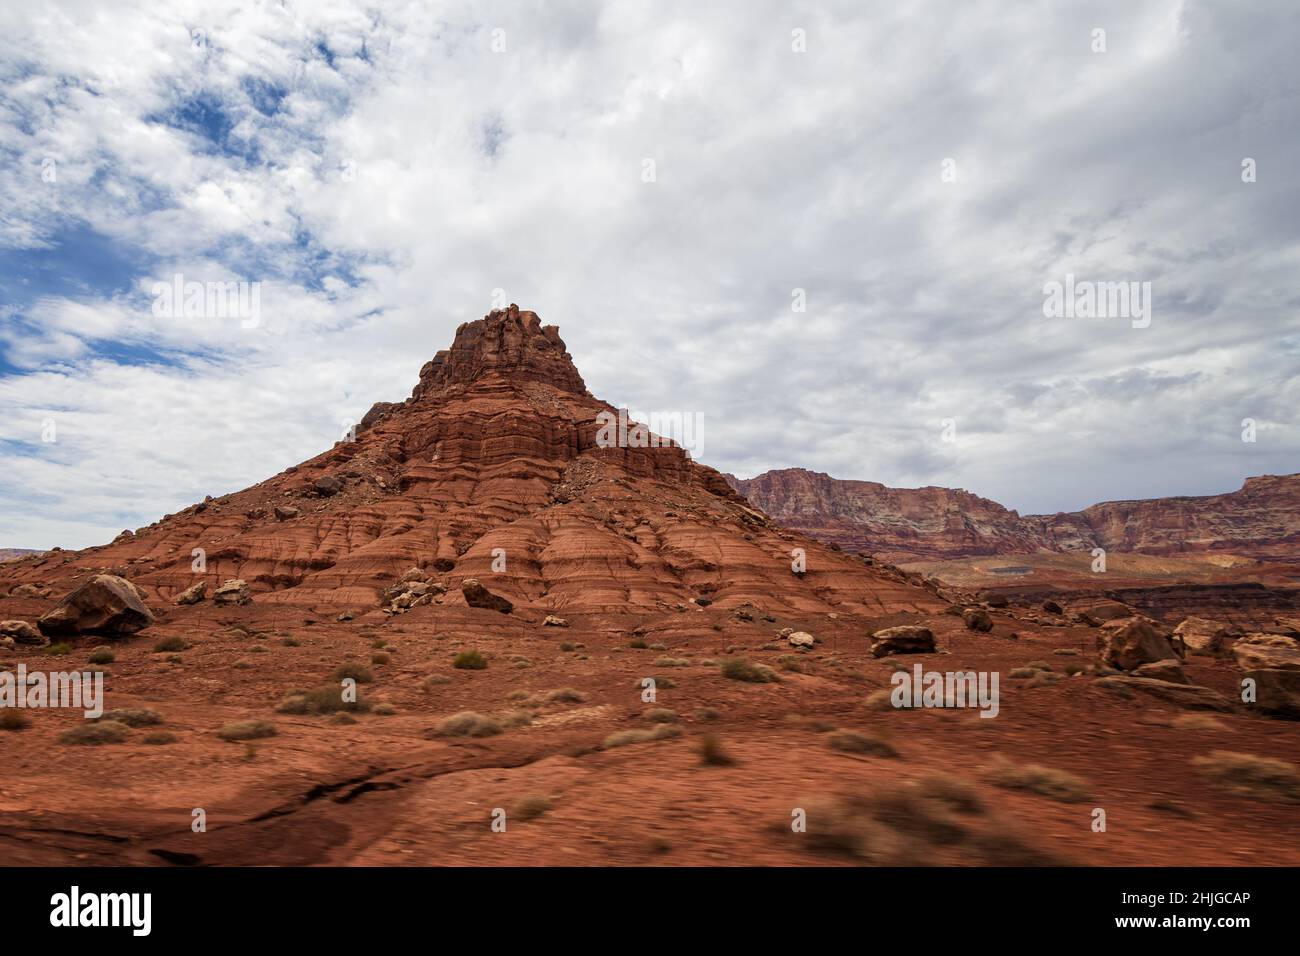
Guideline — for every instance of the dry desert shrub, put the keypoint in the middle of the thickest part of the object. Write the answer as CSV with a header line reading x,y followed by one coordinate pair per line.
x,y
916,824
850,741
102,655
1199,723
531,806
432,681
324,699
467,723
625,737
741,669
516,718
135,717
159,738
660,715
1035,778
170,644
712,754
11,719
247,730
1249,775
565,695
97,733
469,661
351,671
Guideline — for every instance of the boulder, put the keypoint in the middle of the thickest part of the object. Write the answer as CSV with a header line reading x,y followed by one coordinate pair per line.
x,y
1109,611
233,591
1277,691
327,486
996,600
1130,643
553,621
284,512
1170,671
29,590
1184,695
193,594
1271,651
977,619
905,639
21,632
106,604
1203,636
801,639
414,574
1051,607
476,595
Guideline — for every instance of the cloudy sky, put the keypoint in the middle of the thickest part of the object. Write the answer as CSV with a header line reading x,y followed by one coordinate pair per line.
x,y
658,180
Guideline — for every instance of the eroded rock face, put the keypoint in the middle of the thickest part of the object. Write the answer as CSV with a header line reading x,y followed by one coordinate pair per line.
x,y
476,595
1261,520
905,639
106,604
1128,644
510,344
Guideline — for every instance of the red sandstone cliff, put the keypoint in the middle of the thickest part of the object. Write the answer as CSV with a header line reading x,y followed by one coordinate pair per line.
x,y
1262,520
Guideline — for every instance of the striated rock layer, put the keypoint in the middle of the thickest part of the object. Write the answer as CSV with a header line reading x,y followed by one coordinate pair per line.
x,y
1261,520
490,471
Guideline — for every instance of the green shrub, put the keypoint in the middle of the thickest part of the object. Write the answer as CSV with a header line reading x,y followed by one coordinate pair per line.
x,y
470,661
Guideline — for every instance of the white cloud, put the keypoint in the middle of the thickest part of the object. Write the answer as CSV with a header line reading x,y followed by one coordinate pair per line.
x,y
419,171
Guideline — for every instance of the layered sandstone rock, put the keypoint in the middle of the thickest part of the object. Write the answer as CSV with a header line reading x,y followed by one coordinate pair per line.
x,y
492,471
1261,520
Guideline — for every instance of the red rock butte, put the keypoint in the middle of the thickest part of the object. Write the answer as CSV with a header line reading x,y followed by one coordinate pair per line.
x,y
490,470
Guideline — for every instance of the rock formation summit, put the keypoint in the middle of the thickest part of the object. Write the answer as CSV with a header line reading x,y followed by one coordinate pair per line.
x,y
492,470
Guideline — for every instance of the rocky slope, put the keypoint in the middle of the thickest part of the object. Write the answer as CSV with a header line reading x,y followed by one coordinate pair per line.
x,y
1262,520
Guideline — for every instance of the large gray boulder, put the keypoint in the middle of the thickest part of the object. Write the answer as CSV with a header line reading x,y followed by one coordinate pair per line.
x,y
106,604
